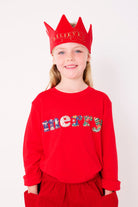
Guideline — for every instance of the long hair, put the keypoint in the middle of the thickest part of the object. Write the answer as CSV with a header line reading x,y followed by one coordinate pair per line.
x,y
55,76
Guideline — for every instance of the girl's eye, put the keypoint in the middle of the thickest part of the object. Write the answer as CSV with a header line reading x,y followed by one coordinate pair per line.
x,y
78,51
61,53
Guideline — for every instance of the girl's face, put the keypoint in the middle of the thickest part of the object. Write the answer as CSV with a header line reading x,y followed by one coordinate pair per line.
x,y
70,59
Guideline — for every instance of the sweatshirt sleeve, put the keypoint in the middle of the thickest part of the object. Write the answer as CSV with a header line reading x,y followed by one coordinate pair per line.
x,y
109,151
32,148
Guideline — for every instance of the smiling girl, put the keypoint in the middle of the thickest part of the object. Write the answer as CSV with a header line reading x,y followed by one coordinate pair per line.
x,y
69,150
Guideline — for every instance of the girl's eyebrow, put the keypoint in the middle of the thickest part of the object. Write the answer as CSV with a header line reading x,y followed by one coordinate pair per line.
x,y
79,47
60,48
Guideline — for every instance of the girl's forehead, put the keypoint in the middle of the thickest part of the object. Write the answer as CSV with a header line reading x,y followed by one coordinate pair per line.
x,y
69,45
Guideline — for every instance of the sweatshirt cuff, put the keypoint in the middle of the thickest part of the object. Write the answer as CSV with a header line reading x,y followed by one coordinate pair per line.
x,y
32,179
112,185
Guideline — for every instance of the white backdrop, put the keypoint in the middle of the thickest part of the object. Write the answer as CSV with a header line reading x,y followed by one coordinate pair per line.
x,y
24,72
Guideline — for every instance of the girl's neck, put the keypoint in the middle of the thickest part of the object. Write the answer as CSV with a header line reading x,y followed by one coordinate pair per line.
x,y
71,87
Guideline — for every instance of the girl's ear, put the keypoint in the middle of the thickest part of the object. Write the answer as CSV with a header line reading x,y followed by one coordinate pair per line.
x,y
53,59
89,57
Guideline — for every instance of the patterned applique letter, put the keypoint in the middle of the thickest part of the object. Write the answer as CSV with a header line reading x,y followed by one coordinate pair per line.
x,y
75,119
65,121
98,123
86,120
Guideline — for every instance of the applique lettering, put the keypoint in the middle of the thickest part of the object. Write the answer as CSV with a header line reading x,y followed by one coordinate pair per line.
x,y
73,121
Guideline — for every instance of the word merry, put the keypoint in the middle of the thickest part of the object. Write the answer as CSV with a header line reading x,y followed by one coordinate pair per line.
x,y
65,121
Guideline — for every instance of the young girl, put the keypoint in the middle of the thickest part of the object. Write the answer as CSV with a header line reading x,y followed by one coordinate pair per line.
x,y
69,150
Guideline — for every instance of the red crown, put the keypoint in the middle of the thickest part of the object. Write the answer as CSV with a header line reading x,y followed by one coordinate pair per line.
x,y
66,33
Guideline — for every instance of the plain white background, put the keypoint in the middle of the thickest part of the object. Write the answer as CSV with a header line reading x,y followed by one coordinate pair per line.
x,y
24,72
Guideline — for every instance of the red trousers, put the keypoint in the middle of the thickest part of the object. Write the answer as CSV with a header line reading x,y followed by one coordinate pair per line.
x,y
54,193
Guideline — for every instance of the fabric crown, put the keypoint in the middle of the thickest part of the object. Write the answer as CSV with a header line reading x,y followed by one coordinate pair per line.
x,y
66,33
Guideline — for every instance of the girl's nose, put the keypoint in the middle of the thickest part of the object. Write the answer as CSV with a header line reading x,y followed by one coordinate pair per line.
x,y
70,56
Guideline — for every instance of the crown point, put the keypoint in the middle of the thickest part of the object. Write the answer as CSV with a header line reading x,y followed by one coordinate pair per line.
x,y
80,25
63,21
49,29
63,15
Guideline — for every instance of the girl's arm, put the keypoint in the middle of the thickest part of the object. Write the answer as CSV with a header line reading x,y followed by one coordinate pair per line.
x,y
33,189
109,150
32,147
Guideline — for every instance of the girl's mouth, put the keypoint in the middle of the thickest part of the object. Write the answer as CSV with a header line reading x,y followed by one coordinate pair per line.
x,y
71,66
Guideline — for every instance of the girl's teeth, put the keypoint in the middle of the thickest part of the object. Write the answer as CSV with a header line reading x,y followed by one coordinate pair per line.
x,y
70,66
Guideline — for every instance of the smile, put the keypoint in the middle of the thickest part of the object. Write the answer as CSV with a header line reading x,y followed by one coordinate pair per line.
x,y
71,66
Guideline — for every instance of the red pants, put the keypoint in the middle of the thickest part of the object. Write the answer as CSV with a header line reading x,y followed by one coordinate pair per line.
x,y
54,193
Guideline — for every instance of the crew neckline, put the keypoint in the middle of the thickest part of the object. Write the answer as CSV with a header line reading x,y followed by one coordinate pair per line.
x,y
72,93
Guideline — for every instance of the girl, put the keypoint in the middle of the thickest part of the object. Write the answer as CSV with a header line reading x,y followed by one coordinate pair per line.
x,y
69,149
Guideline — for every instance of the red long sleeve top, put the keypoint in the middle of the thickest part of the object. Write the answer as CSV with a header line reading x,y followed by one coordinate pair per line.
x,y
71,136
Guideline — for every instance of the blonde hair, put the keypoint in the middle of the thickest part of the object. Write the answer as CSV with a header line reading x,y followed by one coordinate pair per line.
x,y
55,76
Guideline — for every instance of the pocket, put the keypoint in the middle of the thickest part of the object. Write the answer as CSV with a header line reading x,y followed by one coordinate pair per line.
x,y
30,199
110,200
98,185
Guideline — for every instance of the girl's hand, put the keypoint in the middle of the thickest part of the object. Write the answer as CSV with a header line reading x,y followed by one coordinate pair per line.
x,y
108,192
33,189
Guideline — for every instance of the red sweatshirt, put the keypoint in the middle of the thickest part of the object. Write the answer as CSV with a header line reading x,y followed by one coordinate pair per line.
x,y
71,136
